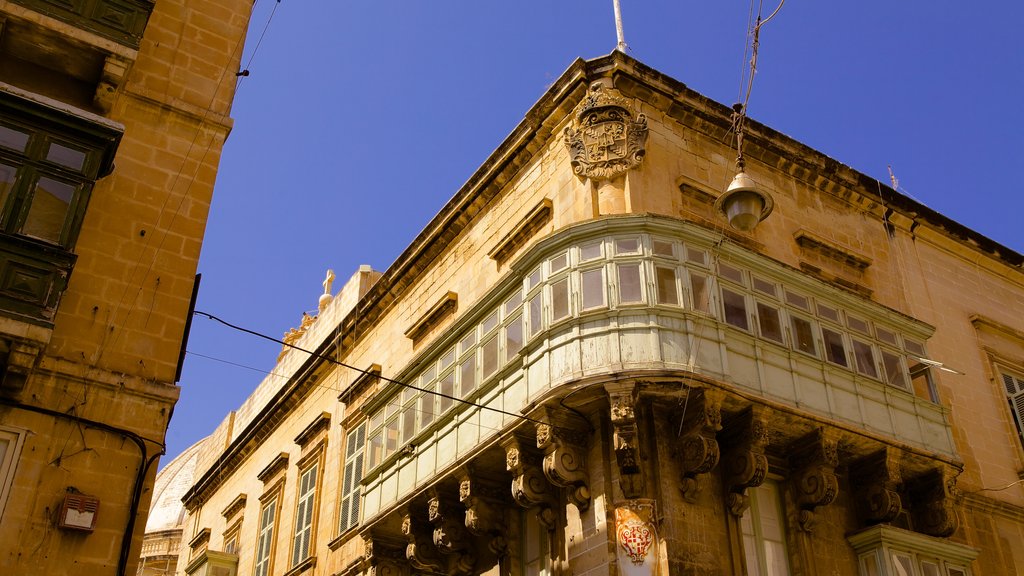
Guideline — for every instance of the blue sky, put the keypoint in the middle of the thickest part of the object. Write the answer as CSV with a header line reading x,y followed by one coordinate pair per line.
x,y
358,121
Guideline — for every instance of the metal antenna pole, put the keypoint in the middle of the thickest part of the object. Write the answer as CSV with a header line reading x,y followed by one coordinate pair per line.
x,y
621,44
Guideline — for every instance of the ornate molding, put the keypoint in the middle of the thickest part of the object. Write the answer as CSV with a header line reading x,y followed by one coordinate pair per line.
x,y
625,437
564,462
878,480
698,449
933,506
746,465
529,486
814,458
605,141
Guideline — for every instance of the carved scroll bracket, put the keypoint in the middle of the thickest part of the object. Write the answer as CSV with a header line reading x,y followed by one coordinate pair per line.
x,y
450,534
564,463
383,558
485,511
815,484
421,553
878,480
622,399
530,488
933,507
698,448
746,465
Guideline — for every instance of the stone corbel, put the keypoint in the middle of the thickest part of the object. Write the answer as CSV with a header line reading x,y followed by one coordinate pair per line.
x,y
421,553
529,486
382,559
115,69
21,360
485,513
564,462
745,465
815,484
450,535
878,480
933,507
698,448
622,401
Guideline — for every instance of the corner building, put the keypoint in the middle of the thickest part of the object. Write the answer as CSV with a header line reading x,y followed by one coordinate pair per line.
x,y
113,114
579,367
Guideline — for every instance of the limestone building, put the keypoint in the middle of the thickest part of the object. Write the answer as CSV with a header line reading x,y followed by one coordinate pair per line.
x,y
113,114
596,360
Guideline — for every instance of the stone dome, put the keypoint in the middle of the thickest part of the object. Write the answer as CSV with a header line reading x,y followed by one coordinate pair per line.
x,y
166,511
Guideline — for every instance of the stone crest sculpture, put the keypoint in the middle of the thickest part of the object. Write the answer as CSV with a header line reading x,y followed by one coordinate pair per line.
x,y
606,141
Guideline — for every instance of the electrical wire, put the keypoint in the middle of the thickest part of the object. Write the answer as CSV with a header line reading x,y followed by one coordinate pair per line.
x,y
368,373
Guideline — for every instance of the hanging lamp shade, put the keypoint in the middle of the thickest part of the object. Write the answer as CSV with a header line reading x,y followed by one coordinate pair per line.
x,y
743,205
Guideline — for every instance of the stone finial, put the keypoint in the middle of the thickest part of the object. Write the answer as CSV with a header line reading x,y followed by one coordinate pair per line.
x,y
326,297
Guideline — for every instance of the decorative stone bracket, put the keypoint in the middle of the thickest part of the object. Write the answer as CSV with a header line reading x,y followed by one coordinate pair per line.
x,y
746,465
698,449
529,486
564,462
485,513
381,559
815,484
423,556
450,535
878,480
933,507
622,400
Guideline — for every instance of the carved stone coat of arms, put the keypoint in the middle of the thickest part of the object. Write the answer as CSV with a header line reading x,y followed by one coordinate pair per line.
x,y
606,141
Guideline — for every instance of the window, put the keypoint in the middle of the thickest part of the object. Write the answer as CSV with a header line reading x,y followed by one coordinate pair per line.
x,y
534,547
768,322
764,536
305,510
735,307
49,161
666,285
353,474
865,358
10,447
803,335
1014,386
231,542
834,350
884,550
592,286
265,538
630,288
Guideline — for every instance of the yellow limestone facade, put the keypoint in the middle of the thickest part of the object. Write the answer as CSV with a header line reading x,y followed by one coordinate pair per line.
x,y
113,114
578,367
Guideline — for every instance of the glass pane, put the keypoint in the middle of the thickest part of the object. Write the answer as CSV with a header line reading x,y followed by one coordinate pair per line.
x,y
667,293
490,322
390,437
834,350
696,256
448,359
8,174
730,273
467,375
590,251
513,337
49,210
533,279
489,359
803,335
629,283
865,359
467,343
765,287
512,304
13,139
593,288
893,370
408,424
956,571
857,324
797,300
929,568
560,299
427,407
768,322
447,387
904,564
535,320
828,312
914,347
701,294
558,263
885,335
428,375
662,248
627,245
735,308
65,156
